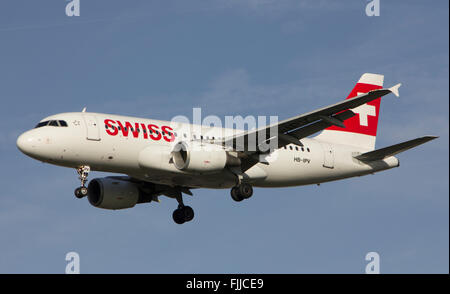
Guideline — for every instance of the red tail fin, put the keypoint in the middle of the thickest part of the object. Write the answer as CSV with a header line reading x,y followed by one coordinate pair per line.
x,y
360,130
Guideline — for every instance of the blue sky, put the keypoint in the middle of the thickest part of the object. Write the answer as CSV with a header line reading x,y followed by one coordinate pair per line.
x,y
160,59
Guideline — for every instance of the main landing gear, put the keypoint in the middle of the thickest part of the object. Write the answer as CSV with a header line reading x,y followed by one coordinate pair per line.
x,y
83,172
241,192
183,213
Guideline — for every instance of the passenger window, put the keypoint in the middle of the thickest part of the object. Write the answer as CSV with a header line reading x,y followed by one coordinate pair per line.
x,y
290,147
303,149
296,148
307,149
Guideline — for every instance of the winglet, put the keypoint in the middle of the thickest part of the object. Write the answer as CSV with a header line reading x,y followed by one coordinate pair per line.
x,y
394,89
84,109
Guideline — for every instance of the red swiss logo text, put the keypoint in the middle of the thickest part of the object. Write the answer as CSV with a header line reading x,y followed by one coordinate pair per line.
x,y
150,131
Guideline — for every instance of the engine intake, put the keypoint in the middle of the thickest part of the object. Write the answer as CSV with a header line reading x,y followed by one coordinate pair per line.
x,y
200,157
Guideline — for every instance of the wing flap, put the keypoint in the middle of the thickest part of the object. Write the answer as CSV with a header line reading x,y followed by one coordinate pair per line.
x,y
320,125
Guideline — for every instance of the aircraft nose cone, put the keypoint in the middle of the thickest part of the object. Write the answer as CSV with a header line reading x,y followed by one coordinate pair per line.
x,y
25,143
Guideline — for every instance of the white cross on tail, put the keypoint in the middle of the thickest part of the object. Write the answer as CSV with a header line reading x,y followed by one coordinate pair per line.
x,y
364,111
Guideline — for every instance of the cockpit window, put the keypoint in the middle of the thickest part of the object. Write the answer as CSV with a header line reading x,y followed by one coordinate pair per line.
x,y
53,123
42,124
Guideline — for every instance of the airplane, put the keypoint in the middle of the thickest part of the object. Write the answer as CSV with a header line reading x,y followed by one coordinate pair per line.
x,y
160,158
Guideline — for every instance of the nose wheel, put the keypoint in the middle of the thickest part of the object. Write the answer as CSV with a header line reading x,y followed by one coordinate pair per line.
x,y
241,192
83,172
81,192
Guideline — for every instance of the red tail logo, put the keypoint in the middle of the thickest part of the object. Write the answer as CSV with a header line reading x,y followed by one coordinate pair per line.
x,y
366,119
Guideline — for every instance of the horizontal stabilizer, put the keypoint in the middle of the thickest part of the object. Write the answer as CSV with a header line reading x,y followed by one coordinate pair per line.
x,y
394,149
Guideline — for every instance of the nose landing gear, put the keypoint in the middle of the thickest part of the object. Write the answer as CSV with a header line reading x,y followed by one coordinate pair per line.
x,y
83,172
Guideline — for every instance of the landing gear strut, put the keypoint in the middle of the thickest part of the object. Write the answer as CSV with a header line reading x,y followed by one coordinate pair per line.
x,y
183,213
241,192
83,172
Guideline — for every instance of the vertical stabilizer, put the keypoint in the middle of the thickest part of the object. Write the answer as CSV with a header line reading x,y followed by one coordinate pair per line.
x,y
360,130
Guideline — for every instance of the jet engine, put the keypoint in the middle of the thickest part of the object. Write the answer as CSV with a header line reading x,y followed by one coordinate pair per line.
x,y
202,158
111,193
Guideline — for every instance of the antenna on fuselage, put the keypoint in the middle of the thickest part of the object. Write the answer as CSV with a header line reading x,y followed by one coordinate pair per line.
x,y
84,110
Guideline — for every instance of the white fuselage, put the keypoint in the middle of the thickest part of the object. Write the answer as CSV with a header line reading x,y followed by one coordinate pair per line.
x,y
87,141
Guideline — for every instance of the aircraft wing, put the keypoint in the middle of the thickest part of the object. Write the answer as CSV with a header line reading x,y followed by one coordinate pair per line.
x,y
291,130
394,149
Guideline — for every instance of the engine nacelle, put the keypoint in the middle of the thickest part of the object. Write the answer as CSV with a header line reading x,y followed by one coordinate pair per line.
x,y
202,158
110,193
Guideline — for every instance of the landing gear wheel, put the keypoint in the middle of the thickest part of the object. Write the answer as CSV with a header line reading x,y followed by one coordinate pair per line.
x,y
188,213
236,195
245,190
81,192
178,216
183,214
83,172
